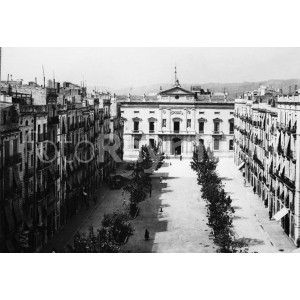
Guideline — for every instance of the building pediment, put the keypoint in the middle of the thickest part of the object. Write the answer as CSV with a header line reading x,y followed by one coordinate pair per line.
x,y
176,91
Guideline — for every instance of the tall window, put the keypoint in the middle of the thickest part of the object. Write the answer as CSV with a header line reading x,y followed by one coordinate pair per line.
x,y
230,145
164,123
176,126
136,143
216,144
216,126
136,126
188,123
201,127
151,126
231,129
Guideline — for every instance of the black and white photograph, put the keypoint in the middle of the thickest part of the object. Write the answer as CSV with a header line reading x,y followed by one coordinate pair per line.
x,y
145,145
173,166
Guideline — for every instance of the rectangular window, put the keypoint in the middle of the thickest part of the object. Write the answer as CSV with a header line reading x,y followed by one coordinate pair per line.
x,y
152,112
151,126
188,123
201,127
216,144
136,112
201,112
230,145
217,112
231,130
231,112
216,126
136,143
164,123
136,126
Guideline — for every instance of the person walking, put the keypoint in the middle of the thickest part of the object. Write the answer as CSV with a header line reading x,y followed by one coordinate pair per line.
x,y
160,179
124,202
146,235
180,157
270,215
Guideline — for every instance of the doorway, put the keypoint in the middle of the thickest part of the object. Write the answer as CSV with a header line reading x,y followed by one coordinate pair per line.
x,y
176,146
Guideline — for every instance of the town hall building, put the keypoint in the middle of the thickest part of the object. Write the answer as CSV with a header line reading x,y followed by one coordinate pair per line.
x,y
180,119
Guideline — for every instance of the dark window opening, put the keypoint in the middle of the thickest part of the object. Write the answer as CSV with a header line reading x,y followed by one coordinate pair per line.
x,y
201,127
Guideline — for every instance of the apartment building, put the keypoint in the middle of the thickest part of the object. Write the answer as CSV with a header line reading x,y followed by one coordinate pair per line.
x,y
266,150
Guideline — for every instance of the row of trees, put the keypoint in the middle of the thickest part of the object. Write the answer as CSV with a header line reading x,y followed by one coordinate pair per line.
x,y
218,204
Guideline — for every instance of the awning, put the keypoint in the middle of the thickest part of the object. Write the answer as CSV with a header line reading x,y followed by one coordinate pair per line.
x,y
241,165
284,211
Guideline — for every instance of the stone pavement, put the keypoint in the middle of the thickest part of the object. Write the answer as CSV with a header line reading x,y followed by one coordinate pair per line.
x,y
251,219
181,227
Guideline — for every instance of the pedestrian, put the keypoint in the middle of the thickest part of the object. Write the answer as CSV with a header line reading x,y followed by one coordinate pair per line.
x,y
270,215
180,157
146,235
124,202
160,179
170,164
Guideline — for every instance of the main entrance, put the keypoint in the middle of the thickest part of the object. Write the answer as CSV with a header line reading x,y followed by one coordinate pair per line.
x,y
176,146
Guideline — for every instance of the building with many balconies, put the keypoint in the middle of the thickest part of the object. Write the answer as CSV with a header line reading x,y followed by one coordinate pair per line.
x,y
267,150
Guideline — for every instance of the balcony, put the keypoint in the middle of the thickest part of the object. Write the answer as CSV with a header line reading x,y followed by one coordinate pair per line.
x,y
136,131
53,120
258,161
42,137
217,133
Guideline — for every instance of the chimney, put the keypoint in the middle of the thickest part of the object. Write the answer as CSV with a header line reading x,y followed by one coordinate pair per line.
x,y
280,91
35,79
296,87
290,89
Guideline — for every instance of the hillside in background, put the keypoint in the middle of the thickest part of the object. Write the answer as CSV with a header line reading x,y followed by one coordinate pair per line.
x,y
232,88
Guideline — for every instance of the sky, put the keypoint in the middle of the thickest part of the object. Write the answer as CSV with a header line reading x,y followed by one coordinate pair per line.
x,y
117,68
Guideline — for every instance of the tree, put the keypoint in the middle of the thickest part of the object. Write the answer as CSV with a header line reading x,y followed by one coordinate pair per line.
x,y
219,209
100,242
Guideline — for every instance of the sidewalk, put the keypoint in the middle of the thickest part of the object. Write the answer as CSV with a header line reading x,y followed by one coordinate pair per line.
x,y
65,235
251,219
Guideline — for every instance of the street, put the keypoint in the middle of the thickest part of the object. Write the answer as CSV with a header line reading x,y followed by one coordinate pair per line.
x,y
175,214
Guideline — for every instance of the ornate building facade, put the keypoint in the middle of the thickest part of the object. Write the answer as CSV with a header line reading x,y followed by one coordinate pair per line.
x,y
180,119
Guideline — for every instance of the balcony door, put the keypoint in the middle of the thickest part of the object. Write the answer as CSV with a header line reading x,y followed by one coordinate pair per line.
x,y
176,126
